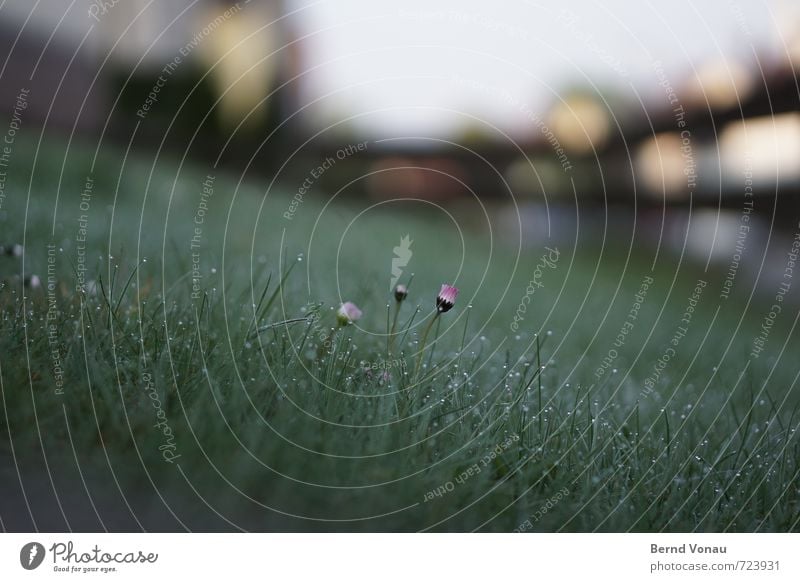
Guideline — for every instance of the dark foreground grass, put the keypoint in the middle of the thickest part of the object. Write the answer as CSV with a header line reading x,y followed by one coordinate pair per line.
x,y
157,399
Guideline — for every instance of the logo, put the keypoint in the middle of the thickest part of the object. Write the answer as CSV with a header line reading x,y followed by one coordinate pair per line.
x,y
402,254
31,555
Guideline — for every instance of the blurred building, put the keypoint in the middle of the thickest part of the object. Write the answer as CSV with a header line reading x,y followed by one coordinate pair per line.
x,y
460,99
188,72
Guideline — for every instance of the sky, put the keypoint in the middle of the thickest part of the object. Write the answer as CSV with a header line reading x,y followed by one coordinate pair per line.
x,y
440,68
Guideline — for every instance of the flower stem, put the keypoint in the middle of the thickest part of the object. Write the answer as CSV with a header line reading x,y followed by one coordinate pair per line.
x,y
424,341
435,340
394,326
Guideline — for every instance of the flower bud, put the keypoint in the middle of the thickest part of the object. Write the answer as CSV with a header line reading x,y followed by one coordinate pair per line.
x,y
400,293
446,298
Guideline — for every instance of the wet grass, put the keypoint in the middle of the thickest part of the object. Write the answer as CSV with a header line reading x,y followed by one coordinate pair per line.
x,y
214,404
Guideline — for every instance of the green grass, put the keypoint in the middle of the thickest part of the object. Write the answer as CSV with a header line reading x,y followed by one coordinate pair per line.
x,y
274,436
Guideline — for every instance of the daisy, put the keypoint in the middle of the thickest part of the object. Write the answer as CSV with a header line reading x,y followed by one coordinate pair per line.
x,y
348,313
444,302
446,298
400,294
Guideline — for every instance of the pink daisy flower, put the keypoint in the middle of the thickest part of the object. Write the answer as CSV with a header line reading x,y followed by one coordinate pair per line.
x,y
348,313
446,298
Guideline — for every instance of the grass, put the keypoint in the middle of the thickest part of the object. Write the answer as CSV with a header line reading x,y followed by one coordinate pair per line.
x,y
503,430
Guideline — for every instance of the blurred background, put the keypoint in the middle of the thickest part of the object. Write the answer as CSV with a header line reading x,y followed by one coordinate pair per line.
x,y
671,120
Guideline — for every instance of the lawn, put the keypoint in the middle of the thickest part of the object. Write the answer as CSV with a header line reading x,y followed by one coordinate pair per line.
x,y
171,371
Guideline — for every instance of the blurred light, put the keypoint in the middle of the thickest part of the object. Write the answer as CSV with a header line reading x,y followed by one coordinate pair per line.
x,y
580,123
787,18
723,83
238,51
660,165
768,147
